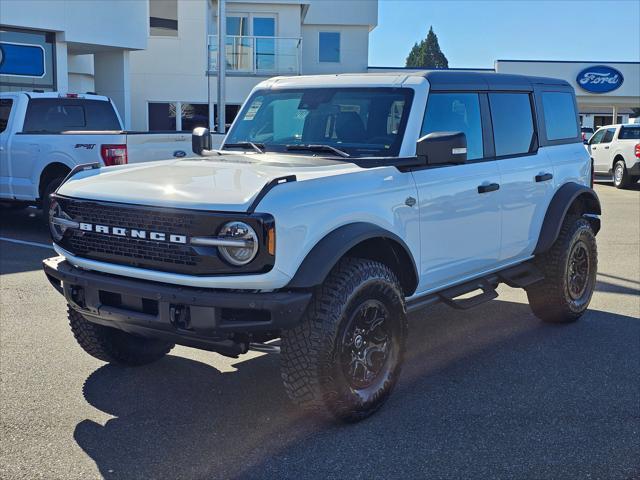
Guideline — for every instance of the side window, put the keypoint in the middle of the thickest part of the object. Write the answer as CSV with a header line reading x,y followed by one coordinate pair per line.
x,y
559,115
608,136
163,18
5,110
597,137
512,123
329,47
626,133
456,112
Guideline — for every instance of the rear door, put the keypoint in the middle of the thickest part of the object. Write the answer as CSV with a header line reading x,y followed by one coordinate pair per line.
x,y
527,174
6,109
459,222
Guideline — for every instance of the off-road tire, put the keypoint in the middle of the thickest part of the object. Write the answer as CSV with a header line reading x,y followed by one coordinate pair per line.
x,y
313,353
115,346
551,299
622,180
45,201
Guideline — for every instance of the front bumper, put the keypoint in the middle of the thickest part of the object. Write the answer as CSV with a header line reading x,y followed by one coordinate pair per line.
x,y
189,316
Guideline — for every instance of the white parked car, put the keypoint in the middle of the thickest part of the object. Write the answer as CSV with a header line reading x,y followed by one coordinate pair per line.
x,y
615,150
336,205
43,136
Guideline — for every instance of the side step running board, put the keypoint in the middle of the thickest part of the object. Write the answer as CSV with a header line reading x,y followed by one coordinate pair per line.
x,y
520,276
450,295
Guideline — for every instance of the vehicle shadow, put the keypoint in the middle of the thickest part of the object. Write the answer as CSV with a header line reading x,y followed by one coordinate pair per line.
x,y
489,393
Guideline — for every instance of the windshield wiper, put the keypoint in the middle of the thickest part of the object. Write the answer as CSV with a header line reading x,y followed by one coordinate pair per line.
x,y
258,147
319,148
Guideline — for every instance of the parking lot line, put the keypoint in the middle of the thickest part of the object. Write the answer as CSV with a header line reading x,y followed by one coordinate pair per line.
x,y
24,242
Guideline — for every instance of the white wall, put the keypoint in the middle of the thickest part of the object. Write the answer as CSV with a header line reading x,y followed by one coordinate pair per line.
x,y
112,23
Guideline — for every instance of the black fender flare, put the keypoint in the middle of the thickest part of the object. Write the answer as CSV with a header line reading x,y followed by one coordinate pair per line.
x,y
560,204
330,249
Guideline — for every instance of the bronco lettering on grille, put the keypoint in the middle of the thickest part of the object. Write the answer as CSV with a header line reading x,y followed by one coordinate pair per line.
x,y
133,233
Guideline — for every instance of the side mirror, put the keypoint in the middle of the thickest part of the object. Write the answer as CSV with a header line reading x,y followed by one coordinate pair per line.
x,y
200,140
439,148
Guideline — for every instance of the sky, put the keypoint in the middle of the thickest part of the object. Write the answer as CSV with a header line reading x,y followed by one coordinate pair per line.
x,y
474,33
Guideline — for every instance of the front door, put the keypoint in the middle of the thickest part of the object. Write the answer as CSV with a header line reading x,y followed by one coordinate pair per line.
x,y
459,222
599,147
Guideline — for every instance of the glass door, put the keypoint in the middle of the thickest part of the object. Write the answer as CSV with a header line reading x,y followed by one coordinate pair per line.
x,y
263,28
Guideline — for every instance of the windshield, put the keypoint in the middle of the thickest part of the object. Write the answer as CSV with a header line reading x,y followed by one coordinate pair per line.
x,y
358,121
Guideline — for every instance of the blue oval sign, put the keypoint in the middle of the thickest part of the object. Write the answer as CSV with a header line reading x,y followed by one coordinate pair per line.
x,y
599,79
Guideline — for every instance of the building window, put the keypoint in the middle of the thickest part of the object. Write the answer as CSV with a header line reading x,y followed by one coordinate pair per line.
x,y
194,115
329,47
559,115
163,18
512,123
162,117
456,112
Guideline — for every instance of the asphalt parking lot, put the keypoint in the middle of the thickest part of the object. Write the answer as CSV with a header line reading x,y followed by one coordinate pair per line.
x,y
487,393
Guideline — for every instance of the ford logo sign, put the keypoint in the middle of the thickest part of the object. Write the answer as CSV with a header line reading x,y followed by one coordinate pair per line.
x,y
599,79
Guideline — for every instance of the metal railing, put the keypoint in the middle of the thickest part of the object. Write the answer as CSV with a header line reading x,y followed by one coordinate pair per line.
x,y
257,55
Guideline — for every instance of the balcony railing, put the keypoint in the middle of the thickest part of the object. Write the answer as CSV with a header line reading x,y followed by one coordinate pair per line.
x,y
257,55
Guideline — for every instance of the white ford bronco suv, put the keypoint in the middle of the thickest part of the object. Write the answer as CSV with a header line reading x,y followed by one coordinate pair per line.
x,y
335,206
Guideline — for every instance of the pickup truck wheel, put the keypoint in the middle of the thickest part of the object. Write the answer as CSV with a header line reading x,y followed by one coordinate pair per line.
x,y
345,357
115,346
49,188
621,178
569,268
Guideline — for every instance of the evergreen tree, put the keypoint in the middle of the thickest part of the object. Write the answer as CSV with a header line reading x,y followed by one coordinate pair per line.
x,y
427,53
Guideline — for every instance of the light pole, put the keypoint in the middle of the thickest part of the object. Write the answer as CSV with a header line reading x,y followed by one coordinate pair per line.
x,y
222,63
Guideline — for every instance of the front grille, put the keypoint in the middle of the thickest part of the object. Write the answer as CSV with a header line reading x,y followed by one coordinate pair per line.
x,y
150,254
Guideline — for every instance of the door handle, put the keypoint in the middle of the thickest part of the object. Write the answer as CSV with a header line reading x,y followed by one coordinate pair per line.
x,y
543,177
491,187
606,148
593,148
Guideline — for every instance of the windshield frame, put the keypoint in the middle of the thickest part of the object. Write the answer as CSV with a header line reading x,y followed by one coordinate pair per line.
x,y
393,151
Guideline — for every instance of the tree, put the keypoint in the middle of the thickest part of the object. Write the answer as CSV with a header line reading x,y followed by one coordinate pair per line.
x,y
427,53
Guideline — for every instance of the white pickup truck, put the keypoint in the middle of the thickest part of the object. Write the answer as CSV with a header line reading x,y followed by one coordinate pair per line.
x,y
43,136
615,150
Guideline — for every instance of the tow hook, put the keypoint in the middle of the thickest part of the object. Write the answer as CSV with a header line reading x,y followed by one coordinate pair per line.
x,y
180,316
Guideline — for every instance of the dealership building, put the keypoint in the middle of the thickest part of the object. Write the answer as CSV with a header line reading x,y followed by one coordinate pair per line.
x,y
157,59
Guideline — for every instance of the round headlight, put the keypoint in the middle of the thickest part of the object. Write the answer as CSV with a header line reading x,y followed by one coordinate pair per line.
x,y
242,246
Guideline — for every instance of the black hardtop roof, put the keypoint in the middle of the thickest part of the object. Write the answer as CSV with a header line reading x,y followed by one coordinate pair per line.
x,y
451,80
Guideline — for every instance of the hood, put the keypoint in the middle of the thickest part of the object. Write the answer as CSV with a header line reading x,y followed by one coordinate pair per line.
x,y
222,183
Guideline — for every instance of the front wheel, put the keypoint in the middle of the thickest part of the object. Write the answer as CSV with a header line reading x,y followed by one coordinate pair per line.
x,y
345,357
621,178
570,269
115,346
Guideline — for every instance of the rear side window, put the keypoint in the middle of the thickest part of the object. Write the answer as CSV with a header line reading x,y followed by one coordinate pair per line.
x,y
5,110
53,115
629,133
456,112
559,115
608,136
512,123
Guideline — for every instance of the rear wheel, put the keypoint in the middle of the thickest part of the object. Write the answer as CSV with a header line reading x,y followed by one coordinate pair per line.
x,y
569,268
345,357
621,178
115,346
